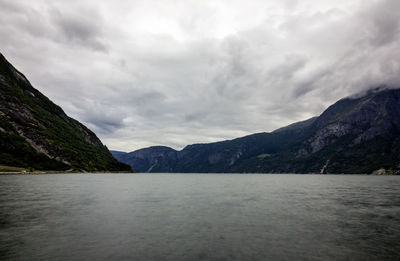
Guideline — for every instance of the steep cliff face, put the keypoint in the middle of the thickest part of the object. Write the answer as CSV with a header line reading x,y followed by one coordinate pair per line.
x,y
36,133
357,135
354,135
374,115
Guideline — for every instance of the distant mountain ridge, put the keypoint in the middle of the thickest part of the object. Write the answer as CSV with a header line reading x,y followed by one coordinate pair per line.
x,y
152,159
354,135
37,134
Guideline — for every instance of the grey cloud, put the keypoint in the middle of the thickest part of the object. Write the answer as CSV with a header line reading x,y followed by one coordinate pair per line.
x,y
103,124
9,6
385,23
292,64
102,117
47,23
24,18
307,85
84,28
151,97
179,80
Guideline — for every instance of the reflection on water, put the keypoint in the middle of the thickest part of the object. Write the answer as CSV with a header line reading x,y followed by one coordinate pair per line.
x,y
199,217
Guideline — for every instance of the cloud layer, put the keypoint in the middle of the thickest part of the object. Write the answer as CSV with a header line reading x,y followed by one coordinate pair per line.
x,y
172,72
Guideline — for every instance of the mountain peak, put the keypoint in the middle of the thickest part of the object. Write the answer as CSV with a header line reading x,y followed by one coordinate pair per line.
x,y
373,91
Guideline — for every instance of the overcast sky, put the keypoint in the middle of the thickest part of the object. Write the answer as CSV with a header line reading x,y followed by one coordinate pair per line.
x,y
177,72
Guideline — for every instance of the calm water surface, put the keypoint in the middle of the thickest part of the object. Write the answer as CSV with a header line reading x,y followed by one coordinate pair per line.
x,y
199,217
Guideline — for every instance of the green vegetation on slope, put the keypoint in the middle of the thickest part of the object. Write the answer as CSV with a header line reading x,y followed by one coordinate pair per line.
x,y
36,133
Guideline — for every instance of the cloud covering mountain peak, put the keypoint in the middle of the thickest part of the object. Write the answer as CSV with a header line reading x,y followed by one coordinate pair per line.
x,y
181,72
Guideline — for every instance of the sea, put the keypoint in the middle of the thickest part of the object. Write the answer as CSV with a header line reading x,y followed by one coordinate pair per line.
x,y
199,217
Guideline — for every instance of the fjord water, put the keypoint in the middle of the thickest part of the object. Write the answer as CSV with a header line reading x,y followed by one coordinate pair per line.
x,y
199,217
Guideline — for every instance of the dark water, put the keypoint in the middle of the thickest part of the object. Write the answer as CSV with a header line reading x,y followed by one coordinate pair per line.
x,y
199,217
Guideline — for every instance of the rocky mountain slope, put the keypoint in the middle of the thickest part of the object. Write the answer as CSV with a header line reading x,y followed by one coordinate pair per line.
x,y
354,135
37,134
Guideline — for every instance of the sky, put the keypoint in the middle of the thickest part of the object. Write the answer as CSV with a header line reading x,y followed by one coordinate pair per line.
x,y
176,72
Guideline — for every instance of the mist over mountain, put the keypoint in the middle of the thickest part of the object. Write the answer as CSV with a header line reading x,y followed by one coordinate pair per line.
x,y
35,133
358,134
172,73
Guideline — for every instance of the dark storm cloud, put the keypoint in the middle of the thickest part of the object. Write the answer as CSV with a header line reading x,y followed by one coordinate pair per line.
x,y
143,73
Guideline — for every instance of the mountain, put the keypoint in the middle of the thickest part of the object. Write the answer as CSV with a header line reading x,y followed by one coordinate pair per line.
x,y
37,134
152,159
354,135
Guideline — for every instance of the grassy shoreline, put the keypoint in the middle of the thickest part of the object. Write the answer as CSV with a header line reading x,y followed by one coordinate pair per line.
x,y
7,170
64,172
